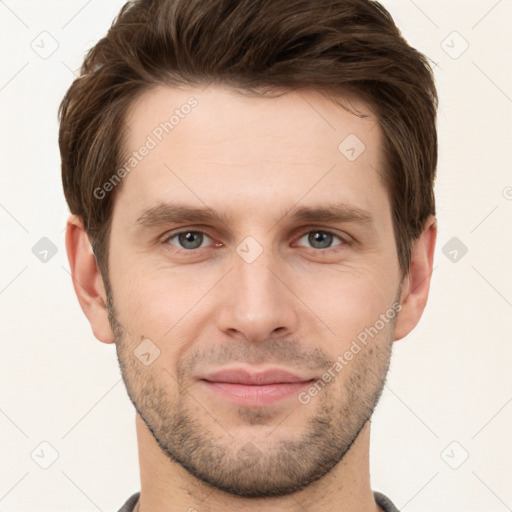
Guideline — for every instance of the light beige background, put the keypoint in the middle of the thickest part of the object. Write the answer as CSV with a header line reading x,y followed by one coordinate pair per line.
x,y
449,380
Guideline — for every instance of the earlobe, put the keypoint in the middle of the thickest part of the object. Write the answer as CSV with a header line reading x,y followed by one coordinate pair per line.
x,y
416,286
87,279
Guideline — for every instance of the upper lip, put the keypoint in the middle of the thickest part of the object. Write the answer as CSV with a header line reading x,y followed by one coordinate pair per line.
x,y
241,376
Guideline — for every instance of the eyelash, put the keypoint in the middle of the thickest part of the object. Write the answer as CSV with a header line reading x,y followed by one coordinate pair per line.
x,y
345,241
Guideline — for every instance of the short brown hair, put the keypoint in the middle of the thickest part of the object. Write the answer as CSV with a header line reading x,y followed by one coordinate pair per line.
x,y
252,45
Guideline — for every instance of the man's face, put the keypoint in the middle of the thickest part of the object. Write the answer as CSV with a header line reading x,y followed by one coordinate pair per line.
x,y
261,289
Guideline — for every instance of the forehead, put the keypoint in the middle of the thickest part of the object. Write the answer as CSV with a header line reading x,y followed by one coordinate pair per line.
x,y
215,146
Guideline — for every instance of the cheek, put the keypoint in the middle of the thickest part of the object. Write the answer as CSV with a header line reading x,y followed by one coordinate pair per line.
x,y
348,301
157,302
161,302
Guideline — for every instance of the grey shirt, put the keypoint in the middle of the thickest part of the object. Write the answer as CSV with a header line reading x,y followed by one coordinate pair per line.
x,y
384,503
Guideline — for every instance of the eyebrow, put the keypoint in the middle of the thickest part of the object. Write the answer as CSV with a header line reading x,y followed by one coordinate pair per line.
x,y
176,212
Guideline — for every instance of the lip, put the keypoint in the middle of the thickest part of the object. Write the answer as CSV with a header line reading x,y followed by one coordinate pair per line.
x,y
255,389
241,376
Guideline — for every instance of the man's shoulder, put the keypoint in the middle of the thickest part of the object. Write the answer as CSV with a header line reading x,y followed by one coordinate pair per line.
x,y
130,503
383,501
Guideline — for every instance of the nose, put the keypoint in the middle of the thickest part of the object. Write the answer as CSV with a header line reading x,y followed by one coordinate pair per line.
x,y
257,302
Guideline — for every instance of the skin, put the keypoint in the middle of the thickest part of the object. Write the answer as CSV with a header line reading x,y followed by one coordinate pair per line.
x,y
299,305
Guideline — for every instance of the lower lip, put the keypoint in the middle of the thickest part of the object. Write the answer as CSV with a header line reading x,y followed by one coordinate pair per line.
x,y
256,395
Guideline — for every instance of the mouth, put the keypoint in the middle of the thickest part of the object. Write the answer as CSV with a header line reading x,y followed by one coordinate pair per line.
x,y
255,389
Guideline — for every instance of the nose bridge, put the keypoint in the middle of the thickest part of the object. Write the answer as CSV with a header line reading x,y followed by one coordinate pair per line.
x,y
257,284
257,302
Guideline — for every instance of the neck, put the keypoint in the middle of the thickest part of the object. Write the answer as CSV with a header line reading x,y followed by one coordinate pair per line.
x,y
167,487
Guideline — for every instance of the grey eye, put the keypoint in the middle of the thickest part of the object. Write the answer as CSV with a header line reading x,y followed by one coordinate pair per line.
x,y
189,239
320,239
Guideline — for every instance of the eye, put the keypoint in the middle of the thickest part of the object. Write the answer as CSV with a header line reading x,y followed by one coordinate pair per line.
x,y
188,240
320,239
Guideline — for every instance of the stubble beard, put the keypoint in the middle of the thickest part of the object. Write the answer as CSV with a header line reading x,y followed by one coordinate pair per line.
x,y
277,465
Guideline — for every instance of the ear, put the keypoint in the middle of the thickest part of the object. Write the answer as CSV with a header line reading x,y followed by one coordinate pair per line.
x,y
416,284
87,279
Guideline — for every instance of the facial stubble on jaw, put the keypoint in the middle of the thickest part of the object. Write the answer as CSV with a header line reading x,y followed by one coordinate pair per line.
x,y
209,449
